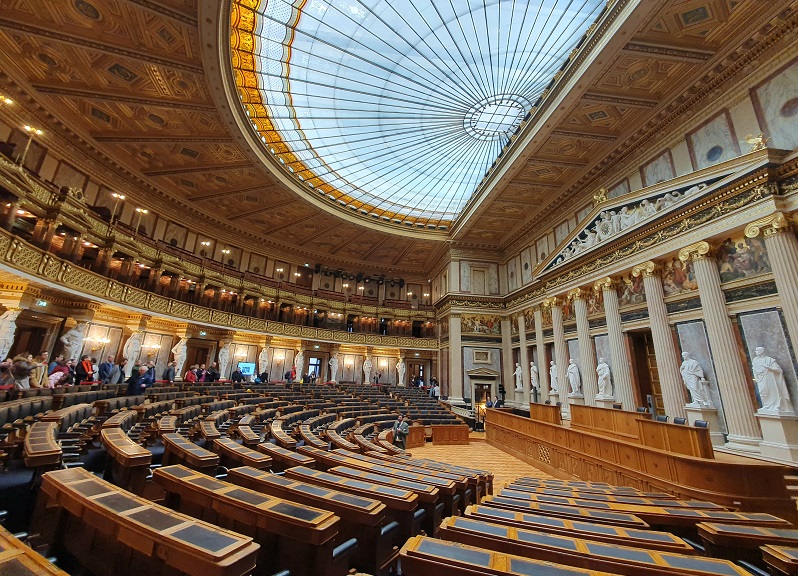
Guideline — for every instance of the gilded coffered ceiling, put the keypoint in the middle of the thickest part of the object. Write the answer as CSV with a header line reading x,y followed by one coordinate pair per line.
x,y
142,90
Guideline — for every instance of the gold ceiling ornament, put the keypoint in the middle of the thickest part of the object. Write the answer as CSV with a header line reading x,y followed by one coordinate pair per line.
x,y
776,223
697,251
600,196
757,142
647,269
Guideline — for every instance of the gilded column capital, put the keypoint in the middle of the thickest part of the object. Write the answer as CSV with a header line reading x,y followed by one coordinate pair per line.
x,y
605,284
577,294
554,301
647,269
455,316
776,223
697,251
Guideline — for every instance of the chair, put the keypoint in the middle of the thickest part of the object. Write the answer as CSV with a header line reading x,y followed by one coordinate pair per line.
x,y
642,409
558,404
701,424
617,406
679,420
547,402
662,418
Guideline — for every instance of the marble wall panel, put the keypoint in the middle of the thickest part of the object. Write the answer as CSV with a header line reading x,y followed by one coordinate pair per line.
x,y
765,328
693,339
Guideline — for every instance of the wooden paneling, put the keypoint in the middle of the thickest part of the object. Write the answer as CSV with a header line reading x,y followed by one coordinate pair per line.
x,y
444,434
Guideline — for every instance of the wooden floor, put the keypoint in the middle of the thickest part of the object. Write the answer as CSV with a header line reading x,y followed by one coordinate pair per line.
x,y
479,454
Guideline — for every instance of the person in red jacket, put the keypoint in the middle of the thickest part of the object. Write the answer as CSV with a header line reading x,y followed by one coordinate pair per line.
x,y
84,371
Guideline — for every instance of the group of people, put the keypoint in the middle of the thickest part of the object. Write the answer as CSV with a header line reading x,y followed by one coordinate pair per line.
x,y
198,373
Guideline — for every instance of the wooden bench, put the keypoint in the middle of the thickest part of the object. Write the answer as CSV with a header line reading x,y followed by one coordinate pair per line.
x,y
232,453
339,441
282,458
402,504
485,478
110,531
361,518
783,559
666,518
571,513
647,539
571,551
18,559
179,450
292,536
741,542
124,419
168,424
385,440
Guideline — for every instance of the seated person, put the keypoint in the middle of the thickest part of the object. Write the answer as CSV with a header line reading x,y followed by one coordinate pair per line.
x,y
237,376
139,381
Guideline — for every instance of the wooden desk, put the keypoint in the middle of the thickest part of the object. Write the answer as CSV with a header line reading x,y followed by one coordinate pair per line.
x,y
124,419
41,450
736,541
232,453
647,539
423,556
281,436
568,512
583,488
669,518
361,518
781,558
545,413
446,434
282,458
293,536
416,437
311,439
18,559
128,464
603,500
83,514
179,450
570,551
401,504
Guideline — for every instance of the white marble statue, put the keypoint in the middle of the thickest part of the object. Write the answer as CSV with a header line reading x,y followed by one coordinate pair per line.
x,y
534,377
604,378
8,328
694,380
333,367
223,358
400,372
179,352
73,341
367,366
519,383
263,360
131,351
553,377
771,384
299,363
574,379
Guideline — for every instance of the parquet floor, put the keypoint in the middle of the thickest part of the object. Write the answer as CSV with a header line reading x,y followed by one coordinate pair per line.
x,y
480,454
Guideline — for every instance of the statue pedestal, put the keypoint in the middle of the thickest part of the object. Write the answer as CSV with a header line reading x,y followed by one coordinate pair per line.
x,y
710,416
605,401
518,398
780,435
577,398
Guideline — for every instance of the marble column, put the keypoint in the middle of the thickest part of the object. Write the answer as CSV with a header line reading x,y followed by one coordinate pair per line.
x,y
670,380
560,350
587,353
782,247
508,365
456,384
732,377
621,375
543,366
523,359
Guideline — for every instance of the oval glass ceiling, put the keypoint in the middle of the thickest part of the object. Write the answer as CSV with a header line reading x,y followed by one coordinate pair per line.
x,y
396,109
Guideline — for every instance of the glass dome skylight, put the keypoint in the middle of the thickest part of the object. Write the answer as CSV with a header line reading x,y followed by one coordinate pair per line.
x,y
397,108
